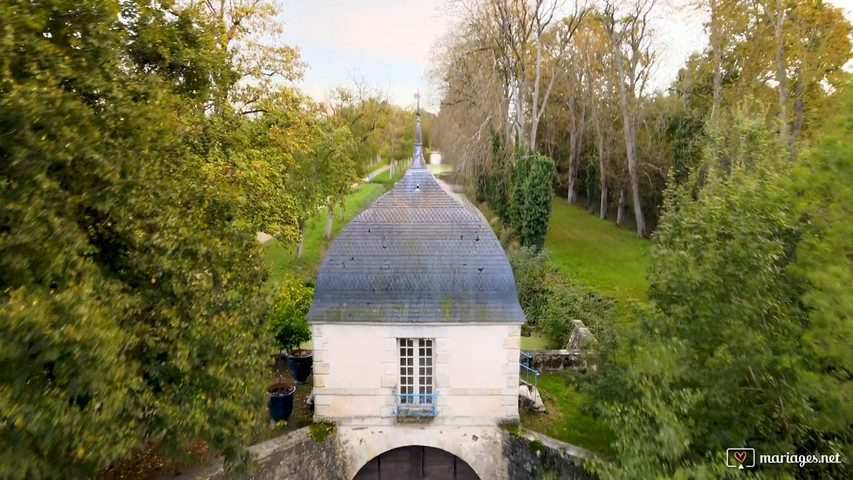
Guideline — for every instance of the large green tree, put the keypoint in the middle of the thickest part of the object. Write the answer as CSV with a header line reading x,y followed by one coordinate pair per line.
x,y
130,279
746,342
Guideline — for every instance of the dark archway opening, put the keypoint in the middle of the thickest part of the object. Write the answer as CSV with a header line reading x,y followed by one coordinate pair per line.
x,y
416,463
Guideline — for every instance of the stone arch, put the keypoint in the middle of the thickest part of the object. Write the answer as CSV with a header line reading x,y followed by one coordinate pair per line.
x,y
416,462
479,447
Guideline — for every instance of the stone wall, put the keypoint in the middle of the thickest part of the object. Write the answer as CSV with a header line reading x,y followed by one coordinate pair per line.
x,y
553,360
295,456
478,446
531,455
495,454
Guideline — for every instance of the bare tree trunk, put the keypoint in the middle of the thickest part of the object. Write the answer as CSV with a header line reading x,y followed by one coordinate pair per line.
x,y
623,204
572,195
781,74
506,95
343,205
301,243
630,147
534,114
602,173
716,46
519,114
799,111
590,201
575,142
329,220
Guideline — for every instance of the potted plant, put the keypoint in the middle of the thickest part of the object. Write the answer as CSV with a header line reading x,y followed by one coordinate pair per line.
x,y
281,400
289,328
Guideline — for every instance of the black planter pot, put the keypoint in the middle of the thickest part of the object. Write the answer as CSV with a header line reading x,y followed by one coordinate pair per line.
x,y
281,401
300,363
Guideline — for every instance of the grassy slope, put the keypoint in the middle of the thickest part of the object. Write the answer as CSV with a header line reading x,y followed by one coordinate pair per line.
x,y
608,260
282,257
385,177
565,418
596,253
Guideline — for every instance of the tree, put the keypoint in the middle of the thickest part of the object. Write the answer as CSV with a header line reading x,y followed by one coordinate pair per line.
x,y
364,112
771,51
750,320
633,66
286,321
130,277
334,150
474,103
498,182
248,37
531,199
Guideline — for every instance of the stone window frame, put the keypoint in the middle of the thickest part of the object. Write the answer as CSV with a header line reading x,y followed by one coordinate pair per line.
x,y
416,364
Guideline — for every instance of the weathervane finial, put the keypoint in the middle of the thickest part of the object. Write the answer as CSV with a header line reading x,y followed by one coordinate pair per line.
x,y
418,159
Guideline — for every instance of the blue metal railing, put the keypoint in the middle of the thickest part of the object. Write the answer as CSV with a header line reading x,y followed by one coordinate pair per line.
x,y
416,404
527,369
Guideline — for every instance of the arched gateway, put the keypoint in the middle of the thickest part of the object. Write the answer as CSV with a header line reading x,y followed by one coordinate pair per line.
x,y
416,329
416,463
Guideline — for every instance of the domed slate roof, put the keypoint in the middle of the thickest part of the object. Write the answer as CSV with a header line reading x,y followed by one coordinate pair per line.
x,y
418,254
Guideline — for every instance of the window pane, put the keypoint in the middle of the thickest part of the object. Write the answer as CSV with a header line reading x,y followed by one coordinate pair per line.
x,y
416,370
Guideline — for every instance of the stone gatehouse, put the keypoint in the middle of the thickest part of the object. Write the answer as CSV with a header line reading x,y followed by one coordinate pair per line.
x,y
416,330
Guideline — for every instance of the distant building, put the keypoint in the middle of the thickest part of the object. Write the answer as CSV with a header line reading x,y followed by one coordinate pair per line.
x,y
416,329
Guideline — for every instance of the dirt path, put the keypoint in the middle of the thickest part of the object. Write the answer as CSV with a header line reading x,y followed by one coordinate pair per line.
x,y
372,174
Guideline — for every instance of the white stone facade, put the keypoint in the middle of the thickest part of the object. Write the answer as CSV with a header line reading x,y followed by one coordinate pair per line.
x,y
357,370
476,377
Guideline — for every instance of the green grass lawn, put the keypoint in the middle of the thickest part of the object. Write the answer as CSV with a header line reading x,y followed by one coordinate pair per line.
x,y
565,419
282,257
385,177
596,253
534,343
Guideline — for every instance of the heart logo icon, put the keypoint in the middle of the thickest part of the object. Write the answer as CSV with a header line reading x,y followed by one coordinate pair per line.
x,y
740,456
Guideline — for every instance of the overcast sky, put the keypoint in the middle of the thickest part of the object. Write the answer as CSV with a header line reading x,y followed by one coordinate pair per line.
x,y
388,43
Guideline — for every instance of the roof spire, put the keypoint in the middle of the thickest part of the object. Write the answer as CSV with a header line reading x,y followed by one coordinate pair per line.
x,y
418,160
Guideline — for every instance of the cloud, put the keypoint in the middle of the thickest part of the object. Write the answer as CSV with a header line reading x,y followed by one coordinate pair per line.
x,y
395,30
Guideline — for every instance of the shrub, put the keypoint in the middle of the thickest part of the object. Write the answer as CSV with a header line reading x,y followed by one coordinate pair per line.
x,y
286,322
530,202
498,183
518,197
535,211
531,268
566,302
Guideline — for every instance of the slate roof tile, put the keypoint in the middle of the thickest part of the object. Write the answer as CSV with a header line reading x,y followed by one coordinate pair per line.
x,y
418,254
